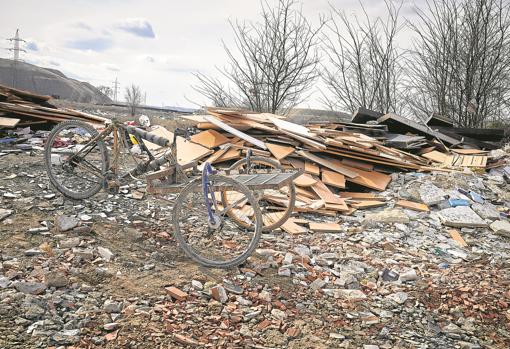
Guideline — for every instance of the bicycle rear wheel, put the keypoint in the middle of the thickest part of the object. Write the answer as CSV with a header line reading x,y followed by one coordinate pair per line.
x,y
221,245
276,205
75,166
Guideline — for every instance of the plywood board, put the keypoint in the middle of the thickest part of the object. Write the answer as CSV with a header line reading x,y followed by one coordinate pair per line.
x,y
456,160
312,168
305,180
469,151
412,205
325,227
359,196
333,178
235,132
292,228
358,164
367,204
209,139
186,151
8,122
436,156
325,194
279,151
329,164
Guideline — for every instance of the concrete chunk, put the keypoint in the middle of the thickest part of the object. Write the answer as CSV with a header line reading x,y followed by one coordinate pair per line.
x,y
461,216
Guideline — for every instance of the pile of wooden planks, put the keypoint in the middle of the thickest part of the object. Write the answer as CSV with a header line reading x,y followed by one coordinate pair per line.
x,y
23,108
339,162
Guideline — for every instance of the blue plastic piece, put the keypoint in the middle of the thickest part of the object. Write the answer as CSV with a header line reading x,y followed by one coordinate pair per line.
x,y
476,197
458,202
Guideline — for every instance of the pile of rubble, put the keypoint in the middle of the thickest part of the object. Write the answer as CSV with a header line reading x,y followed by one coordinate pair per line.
x,y
428,269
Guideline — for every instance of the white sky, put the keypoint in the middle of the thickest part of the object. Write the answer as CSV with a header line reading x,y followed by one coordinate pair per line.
x,y
156,44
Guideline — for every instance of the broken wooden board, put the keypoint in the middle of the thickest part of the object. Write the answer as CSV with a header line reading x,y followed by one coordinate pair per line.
x,y
235,132
333,178
329,164
370,179
209,139
325,194
8,122
312,168
436,156
305,180
469,151
456,160
359,196
291,227
186,151
279,151
325,227
367,204
412,205
358,164
454,233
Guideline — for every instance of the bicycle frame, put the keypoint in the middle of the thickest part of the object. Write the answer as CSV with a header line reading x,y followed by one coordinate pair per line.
x,y
117,128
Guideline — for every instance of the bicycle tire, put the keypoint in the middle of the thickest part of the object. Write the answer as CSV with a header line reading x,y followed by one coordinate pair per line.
x,y
48,163
291,192
179,210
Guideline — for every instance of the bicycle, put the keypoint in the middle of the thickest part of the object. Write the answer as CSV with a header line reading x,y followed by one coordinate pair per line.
x,y
216,219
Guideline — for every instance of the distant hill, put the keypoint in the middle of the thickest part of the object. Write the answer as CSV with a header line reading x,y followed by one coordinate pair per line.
x,y
48,82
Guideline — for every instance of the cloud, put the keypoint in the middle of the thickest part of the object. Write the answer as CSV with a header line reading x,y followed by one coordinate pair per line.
x,y
137,26
32,46
93,44
82,25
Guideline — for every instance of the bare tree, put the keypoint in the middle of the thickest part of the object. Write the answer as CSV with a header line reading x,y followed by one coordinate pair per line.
x,y
273,65
133,98
460,65
364,66
106,90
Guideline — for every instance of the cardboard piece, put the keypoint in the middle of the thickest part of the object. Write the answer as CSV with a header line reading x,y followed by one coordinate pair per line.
x,y
209,139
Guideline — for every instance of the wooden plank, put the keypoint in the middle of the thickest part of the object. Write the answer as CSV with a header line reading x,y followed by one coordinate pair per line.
x,y
291,127
359,196
454,233
235,132
305,180
8,122
358,164
469,151
312,168
370,179
325,194
279,151
333,178
412,205
436,156
292,228
186,151
329,164
367,204
307,141
209,139
325,227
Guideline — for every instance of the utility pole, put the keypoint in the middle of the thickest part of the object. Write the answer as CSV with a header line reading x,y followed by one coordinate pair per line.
x,y
115,89
15,47
15,53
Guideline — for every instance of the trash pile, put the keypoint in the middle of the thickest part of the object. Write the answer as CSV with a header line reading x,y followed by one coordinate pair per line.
x,y
22,108
341,161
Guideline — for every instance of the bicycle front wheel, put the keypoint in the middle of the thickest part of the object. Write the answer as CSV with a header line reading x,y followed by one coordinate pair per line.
x,y
219,243
74,162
